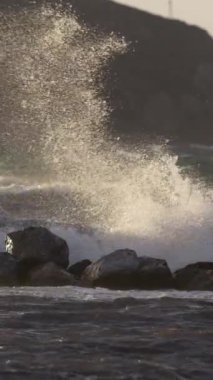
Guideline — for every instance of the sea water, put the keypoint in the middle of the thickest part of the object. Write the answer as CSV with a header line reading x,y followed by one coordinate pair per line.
x,y
60,168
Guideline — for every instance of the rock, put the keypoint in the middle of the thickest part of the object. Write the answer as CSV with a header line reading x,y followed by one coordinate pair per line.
x,y
198,276
23,269
113,271
37,245
123,269
78,268
49,274
153,274
8,270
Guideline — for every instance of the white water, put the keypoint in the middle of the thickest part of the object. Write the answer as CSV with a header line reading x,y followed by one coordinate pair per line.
x,y
99,294
54,118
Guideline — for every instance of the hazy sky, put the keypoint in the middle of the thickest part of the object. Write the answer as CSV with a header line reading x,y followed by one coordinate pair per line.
x,y
197,12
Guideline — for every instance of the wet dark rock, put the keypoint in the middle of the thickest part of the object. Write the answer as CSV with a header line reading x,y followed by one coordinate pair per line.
x,y
37,245
198,276
23,268
49,274
8,270
78,268
113,271
153,274
123,269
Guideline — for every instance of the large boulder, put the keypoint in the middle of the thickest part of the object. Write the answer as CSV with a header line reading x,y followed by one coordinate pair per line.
x,y
49,274
153,274
8,270
198,276
123,269
113,271
78,268
37,245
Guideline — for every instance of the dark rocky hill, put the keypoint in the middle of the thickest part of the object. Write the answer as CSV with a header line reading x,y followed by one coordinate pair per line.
x,y
164,85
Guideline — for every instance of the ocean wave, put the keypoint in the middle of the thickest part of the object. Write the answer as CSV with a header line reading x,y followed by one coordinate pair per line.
x,y
64,168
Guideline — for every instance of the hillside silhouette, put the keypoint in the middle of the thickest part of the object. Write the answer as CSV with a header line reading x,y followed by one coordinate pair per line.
x,y
163,85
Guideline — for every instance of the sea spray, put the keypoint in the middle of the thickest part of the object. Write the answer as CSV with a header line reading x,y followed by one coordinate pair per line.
x,y
62,164
50,99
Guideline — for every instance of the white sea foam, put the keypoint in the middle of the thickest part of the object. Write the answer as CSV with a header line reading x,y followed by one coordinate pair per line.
x,y
54,119
98,294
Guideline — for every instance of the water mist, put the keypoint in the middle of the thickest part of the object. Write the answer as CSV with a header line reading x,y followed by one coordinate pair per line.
x,y
54,121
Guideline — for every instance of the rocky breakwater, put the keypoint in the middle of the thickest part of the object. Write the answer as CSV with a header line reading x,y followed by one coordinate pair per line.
x,y
123,269
36,257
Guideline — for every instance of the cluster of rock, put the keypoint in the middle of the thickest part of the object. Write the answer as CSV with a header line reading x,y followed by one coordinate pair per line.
x,y
36,257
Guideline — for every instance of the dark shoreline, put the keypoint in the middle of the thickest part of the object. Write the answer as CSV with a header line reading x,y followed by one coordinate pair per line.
x,y
36,257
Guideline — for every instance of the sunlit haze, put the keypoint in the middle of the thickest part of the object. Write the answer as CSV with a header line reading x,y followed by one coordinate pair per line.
x,y
197,12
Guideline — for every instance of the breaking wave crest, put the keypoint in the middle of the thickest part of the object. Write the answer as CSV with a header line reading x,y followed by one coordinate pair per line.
x,y
61,163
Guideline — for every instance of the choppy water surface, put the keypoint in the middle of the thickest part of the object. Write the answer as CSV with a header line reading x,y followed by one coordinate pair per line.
x,y
63,333
60,166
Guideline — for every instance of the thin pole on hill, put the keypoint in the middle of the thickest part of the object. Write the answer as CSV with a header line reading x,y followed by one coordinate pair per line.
x,y
170,8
